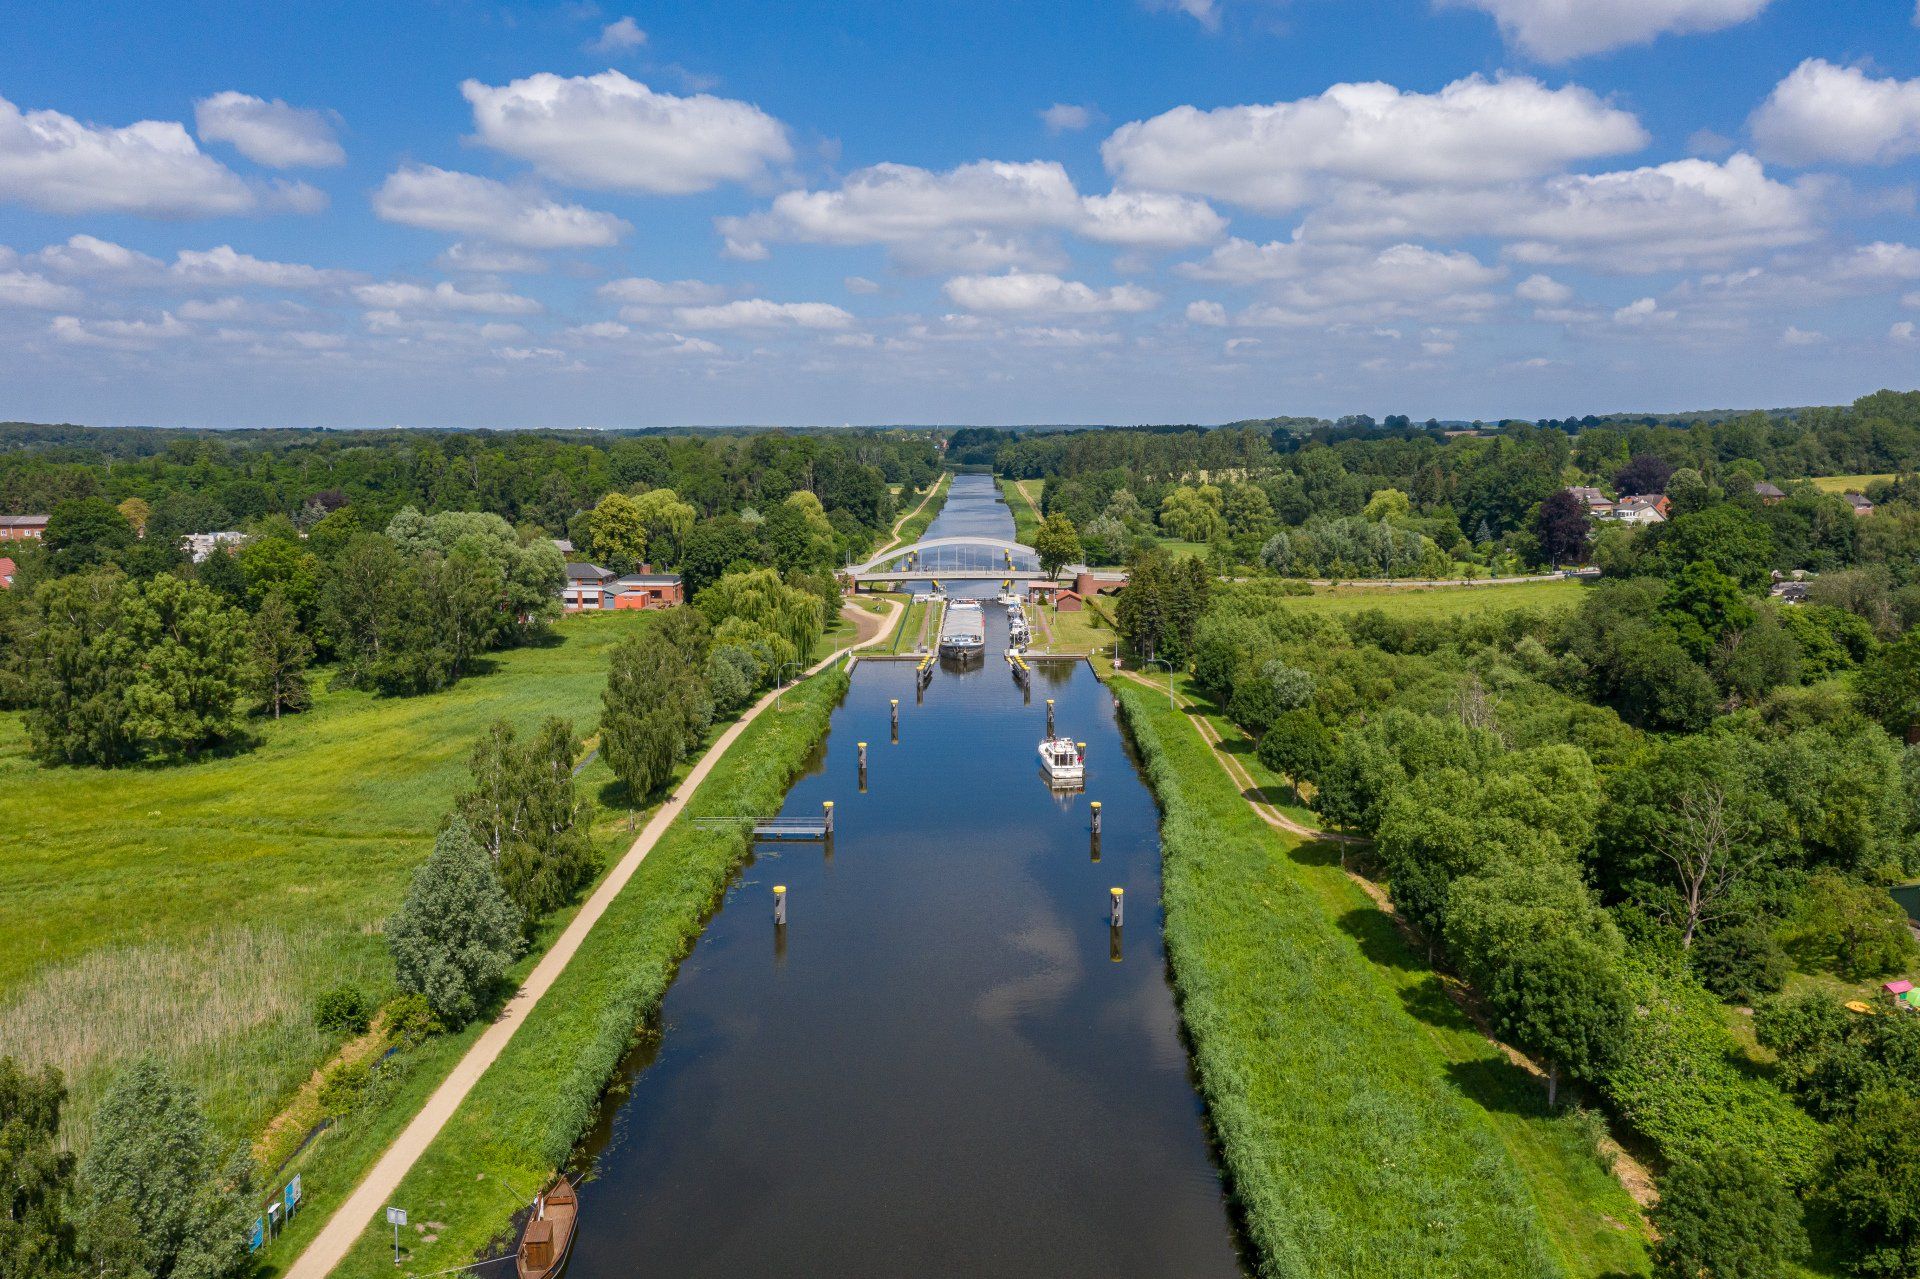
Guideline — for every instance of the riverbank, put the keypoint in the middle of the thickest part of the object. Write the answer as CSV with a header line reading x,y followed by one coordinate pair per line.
x,y
1355,1145
523,1116
910,526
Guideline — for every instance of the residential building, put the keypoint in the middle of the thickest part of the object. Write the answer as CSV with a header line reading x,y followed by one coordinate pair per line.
x,y
201,545
1596,502
1859,502
587,588
1769,494
6,573
1650,509
21,528
648,590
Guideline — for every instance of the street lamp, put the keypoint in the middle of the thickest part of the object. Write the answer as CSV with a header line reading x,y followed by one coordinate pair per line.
x,y
779,681
1161,661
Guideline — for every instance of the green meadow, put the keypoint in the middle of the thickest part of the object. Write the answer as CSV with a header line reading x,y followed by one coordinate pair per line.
x,y
198,910
1422,602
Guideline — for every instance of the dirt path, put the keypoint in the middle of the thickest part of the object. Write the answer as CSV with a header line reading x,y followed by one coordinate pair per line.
x,y
331,1245
1026,497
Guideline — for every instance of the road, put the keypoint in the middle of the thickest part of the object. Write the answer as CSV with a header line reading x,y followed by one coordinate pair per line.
x,y
372,1195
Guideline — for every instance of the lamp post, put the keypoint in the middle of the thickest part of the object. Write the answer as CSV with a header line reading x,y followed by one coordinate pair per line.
x,y
1161,661
779,682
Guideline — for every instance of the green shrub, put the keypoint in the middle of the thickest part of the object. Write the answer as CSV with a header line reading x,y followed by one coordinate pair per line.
x,y
410,1020
1741,962
344,1010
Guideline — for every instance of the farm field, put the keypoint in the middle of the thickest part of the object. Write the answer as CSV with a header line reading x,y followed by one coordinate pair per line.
x,y
1847,483
1463,1132
203,907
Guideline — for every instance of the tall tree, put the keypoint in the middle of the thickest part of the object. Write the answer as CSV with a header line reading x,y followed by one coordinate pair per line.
x,y
1561,526
161,1198
457,930
1561,999
279,654
1056,543
526,813
36,1177
654,705
619,533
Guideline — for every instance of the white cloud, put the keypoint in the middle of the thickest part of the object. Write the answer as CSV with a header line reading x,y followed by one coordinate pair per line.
x,y
1204,12
1903,331
394,295
612,133
602,329
859,284
642,292
1273,158
57,164
1347,285
118,334
24,288
1792,336
1557,30
1024,292
86,255
1066,117
485,259
465,204
225,267
759,313
217,309
1822,112
1669,216
1208,313
1642,311
622,35
1543,289
269,133
931,216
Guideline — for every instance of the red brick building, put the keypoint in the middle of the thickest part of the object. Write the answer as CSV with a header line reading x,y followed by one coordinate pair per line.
x,y
21,528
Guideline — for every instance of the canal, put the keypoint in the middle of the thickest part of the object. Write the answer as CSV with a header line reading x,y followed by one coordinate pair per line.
x,y
946,1062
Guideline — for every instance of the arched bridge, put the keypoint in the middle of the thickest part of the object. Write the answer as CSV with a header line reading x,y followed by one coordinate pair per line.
x,y
935,543
886,566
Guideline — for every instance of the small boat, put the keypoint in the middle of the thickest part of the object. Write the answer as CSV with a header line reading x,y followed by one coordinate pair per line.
x,y
548,1238
1062,762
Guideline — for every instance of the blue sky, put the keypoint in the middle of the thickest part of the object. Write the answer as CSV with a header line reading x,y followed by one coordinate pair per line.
x,y
1091,211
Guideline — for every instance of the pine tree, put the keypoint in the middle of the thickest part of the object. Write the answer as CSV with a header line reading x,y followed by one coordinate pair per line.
x,y
280,654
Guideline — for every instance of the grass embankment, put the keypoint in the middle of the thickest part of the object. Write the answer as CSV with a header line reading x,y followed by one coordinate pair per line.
x,y
201,908
1368,1130
524,1116
1463,600
912,525
1023,499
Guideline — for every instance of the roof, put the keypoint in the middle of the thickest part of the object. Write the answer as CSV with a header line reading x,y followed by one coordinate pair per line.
x,y
562,545
587,572
21,521
1587,494
649,579
6,567
1765,489
1857,499
1899,987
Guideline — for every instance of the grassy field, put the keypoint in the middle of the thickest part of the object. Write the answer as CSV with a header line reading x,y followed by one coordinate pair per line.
x,y
524,1116
1846,483
1439,601
1368,1129
201,908
1023,499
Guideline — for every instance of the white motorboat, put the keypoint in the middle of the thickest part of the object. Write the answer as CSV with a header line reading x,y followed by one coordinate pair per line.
x,y
1062,762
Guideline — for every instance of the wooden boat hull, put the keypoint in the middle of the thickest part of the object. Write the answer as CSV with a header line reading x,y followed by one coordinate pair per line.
x,y
547,1241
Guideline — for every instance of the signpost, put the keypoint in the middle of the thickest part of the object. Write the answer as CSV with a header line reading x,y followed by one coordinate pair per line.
x,y
259,1235
292,1195
398,1216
